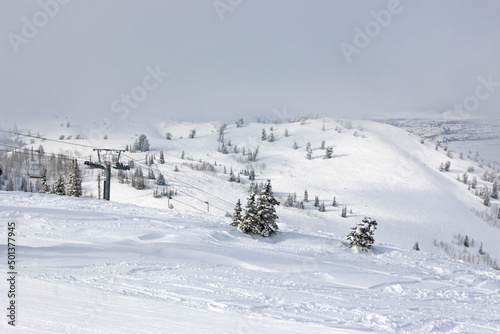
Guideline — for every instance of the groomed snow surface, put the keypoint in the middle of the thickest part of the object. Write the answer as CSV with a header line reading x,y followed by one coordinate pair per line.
x,y
88,266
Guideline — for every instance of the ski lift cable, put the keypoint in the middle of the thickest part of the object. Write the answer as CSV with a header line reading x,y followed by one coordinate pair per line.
x,y
46,153
189,185
220,199
47,139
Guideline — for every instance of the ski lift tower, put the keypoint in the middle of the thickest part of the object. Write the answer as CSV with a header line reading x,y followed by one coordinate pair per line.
x,y
107,182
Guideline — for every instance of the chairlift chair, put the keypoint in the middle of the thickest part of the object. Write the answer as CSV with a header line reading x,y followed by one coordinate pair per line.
x,y
35,171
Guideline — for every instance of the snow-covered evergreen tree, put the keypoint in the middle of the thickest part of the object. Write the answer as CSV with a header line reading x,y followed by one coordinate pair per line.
x,y
486,197
74,187
160,180
362,235
250,218
237,218
59,186
321,207
306,196
264,134
260,215
271,137
481,251
162,157
289,201
494,189
344,212
309,153
415,246
322,144
231,178
316,201
138,181
266,212
447,166
329,152
141,144
334,203
151,175
473,183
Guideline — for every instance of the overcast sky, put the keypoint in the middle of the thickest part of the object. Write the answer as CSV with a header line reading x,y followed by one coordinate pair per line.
x,y
224,59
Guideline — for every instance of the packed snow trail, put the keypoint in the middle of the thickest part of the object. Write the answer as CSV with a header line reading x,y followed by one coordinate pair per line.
x,y
89,266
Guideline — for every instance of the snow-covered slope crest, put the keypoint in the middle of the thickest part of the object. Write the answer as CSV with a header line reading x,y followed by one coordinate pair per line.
x,y
87,266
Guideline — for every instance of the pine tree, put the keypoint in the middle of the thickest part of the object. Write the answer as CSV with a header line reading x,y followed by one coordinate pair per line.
x,y
329,152
362,235
59,186
231,178
447,166
309,153
151,175
162,157
473,183
250,217
322,144
295,146
160,180
266,213
316,201
141,144
237,218
322,207
74,181
344,212
264,135
251,175
416,247
306,197
466,241
486,197
286,133
481,249
334,203
271,137
494,189
289,201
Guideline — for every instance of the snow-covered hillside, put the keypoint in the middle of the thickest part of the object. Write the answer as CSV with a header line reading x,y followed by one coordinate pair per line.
x,y
377,170
88,266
